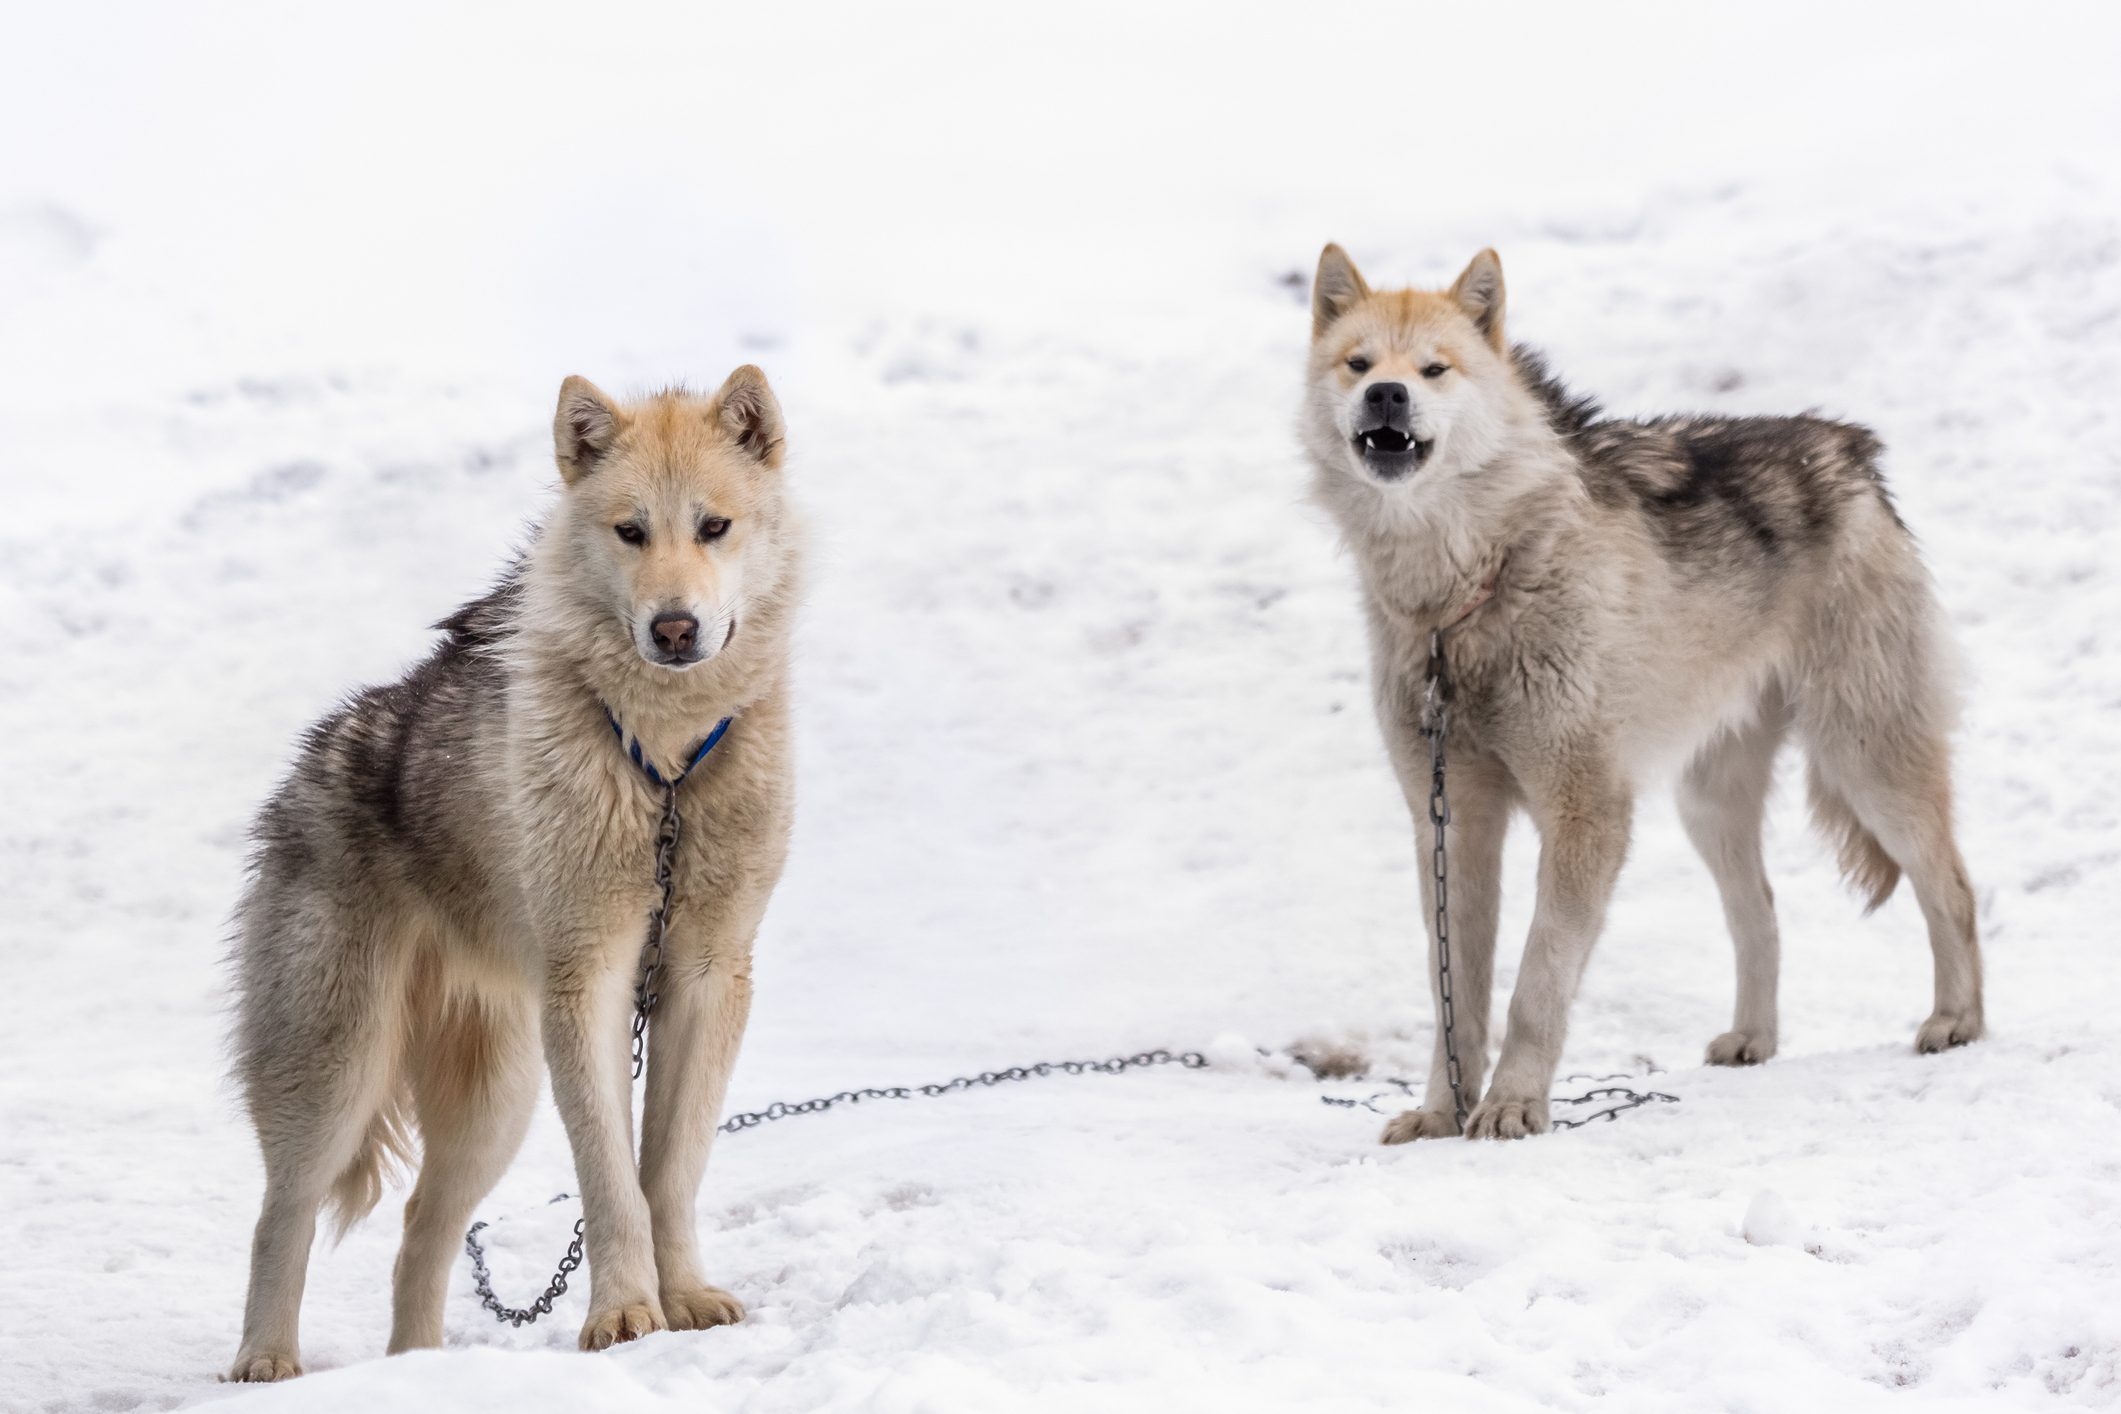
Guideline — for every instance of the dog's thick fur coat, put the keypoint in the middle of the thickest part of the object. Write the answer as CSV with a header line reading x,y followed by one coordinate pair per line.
x,y
462,864
1617,598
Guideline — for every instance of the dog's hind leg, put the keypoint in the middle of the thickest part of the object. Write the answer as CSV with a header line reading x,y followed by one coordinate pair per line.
x,y
1721,799
474,1065
1480,797
318,1040
1888,791
1874,709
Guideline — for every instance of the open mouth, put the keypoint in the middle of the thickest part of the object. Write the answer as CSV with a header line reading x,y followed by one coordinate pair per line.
x,y
1390,452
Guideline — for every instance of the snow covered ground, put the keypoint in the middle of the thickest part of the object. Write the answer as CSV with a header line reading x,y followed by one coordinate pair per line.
x,y
1086,762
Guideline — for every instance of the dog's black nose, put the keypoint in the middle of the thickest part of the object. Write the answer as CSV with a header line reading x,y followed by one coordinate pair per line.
x,y
675,633
1386,396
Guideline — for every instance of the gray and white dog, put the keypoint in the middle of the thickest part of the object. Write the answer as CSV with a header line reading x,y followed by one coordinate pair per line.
x,y
466,860
1613,598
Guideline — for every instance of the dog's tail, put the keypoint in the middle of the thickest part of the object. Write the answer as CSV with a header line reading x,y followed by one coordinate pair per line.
x,y
386,1151
1870,871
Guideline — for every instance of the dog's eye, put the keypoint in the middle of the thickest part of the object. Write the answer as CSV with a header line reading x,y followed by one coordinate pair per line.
x,y
1358,364
632,534
713,528
1436,370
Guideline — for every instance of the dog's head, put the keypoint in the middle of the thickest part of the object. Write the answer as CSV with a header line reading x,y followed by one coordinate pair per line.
x,y
1407,387
672,511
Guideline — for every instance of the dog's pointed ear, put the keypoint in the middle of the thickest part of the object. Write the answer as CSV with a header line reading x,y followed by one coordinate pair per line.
x,y
1478,291
584,427
745,408
1337,289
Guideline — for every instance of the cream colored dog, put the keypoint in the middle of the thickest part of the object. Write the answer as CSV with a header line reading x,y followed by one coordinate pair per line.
x,y
1614,599
464,861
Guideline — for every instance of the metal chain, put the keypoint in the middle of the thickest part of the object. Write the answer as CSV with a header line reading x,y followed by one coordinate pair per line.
x,y
1191,1060
482,1279
1435,720
644,993
1625,1098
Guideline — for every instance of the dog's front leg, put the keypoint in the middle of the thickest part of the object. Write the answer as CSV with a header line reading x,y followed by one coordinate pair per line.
x,y
588,1001
1583,839
699,1021
1480,817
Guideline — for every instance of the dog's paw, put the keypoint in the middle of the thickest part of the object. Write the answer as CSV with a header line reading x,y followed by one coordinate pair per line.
x,y
1420,1124
605,1329
264,1369
1945,1030
1502,1118
701,1307
1740,1048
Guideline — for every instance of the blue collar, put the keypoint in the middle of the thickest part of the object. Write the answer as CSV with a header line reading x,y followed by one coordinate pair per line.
x,y
655,778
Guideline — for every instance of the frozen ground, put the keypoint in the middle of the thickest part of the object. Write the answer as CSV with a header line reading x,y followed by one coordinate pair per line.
x,y
1086,765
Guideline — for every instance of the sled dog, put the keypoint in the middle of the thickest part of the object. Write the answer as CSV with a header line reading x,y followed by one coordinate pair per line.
x,y
458,875
1616,600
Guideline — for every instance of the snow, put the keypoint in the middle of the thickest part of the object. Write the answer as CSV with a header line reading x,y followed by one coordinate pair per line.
x,y
1086,765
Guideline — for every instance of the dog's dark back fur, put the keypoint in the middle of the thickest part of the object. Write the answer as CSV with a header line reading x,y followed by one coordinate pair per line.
x,y
373,782
1716,489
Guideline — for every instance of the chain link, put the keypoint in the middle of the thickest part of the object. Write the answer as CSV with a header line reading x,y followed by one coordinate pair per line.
x,y
482,1279
1624,1100
644,993
1435,721
1191,1060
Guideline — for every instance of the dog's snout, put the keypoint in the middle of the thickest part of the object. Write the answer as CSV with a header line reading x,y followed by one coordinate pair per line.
x,y
675,634
1385,432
